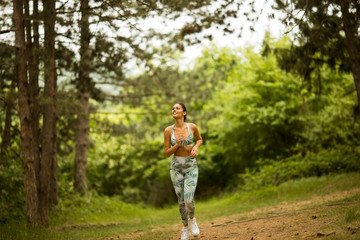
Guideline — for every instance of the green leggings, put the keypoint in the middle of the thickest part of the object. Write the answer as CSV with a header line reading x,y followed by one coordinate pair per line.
x,y
184,176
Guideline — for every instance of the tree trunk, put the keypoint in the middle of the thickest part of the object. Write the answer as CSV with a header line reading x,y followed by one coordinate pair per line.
x,y
33,70
82,129
49,121
29,178
350,29
82,141
54,187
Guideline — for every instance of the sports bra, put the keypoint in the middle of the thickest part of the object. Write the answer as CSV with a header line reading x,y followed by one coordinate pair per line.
x,y
187,142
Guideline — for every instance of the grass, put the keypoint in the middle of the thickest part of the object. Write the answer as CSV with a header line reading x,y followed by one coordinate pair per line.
x,y
352,215
97,217
347,220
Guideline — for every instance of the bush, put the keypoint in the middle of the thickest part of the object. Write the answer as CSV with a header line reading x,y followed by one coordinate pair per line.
x,y
11,196
272,173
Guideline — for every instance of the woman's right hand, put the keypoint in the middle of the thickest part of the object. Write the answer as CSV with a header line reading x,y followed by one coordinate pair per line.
x,y
180,138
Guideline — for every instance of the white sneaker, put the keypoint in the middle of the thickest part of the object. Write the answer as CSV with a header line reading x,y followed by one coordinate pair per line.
x,y
185,233
194,227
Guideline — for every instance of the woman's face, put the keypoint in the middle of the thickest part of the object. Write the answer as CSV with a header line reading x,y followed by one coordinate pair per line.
x,y
177,111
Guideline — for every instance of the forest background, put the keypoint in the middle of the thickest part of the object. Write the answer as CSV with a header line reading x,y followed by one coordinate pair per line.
x,y
76,119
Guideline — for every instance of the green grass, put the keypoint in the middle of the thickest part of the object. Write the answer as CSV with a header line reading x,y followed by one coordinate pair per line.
x,y
292,191
347,219
352,215
96,217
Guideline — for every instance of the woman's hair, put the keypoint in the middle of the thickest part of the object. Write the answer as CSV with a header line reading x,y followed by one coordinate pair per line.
x,y
184,109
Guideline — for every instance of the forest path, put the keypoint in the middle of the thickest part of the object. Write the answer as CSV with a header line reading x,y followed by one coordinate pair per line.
x,y
311,219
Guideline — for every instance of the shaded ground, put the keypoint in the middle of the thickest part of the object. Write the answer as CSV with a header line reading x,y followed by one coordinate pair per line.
x,y
312,219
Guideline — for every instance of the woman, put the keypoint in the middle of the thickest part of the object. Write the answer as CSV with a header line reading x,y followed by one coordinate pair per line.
x,y
182,140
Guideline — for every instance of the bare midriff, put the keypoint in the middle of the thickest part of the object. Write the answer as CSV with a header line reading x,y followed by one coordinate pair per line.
x,y
183,152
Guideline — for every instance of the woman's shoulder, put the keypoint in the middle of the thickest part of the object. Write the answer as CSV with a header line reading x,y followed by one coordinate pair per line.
x,y
168,128
192,125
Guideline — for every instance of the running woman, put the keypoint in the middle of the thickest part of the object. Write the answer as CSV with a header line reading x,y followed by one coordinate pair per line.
x,y
182,140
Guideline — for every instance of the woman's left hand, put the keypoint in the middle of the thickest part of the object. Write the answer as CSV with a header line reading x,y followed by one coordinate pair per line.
x,y
194,152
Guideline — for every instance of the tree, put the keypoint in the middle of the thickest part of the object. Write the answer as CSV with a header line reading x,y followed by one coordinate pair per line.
x,y
32,47
38,156
48,160
29,174
328,33
83,89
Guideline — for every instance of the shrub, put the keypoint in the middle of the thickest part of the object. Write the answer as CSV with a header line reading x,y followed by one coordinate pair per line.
x,y
272,173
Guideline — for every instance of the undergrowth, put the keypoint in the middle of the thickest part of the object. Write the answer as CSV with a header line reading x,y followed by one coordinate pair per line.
x,y
98,216
328,161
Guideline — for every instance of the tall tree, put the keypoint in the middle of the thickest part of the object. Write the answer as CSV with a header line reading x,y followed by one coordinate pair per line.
x,y
83,85
48,160
32,46
350,16
29,175
328,33
38,158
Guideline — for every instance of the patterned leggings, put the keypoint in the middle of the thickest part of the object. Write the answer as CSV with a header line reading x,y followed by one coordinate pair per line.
x,y
184,176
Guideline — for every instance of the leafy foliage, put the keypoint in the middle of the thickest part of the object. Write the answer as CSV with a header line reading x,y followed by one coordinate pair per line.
x,y
249,111
327,36
11,197
273,173
261,126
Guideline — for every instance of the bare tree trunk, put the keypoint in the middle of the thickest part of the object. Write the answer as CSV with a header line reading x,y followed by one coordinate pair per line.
x,y
33,70
350,29
34,91
29,178
54,187
49,125
82,145
82,129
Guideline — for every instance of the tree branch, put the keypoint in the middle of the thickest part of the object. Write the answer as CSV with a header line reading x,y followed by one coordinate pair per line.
x,y
118,12
119,97
63,5
109,83
7,31
133,113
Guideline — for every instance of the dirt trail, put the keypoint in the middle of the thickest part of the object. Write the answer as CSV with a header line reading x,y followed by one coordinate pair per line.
x,y
309,219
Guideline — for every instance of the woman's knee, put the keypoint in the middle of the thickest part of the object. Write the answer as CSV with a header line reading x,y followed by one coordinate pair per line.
x,y
189,204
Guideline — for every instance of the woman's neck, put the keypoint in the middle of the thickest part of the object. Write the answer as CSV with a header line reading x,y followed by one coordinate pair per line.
x,y
179,123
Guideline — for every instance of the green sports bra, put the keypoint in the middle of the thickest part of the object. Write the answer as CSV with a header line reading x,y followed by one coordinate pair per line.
x,y
187,142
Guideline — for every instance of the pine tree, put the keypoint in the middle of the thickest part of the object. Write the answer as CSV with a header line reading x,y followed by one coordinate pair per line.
x,y
29,175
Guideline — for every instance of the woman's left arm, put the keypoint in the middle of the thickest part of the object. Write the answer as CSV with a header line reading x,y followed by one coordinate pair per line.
x,y
199,141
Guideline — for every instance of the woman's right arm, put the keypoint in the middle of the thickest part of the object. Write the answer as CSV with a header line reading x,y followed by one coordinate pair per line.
x,y
167,148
